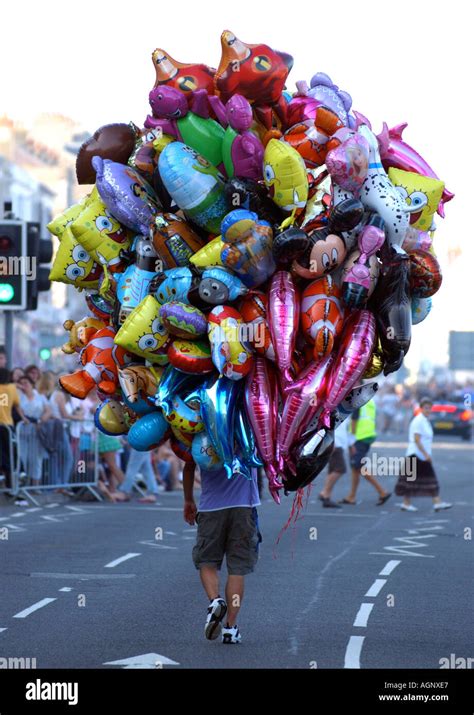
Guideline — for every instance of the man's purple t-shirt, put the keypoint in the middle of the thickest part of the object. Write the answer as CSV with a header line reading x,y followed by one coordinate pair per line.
x,y
219,492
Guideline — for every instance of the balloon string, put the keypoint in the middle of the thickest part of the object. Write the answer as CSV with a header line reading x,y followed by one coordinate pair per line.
x,y
295,515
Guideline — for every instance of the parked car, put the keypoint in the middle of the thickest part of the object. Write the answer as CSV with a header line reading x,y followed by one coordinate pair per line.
x,y
451,416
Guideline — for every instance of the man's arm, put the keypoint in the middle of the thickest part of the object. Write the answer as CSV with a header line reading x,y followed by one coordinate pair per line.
x,y
188,490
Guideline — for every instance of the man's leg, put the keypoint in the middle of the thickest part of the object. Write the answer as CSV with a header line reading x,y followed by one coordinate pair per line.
x,y
331,479
355,479
210,581
234,593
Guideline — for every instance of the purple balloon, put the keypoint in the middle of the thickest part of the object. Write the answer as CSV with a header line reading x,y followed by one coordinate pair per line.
x,y
126,194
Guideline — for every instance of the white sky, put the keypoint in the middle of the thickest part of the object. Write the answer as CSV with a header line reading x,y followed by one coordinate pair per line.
x,y
401,61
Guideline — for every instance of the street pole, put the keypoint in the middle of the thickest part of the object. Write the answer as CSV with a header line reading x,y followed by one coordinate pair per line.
x,y
9,338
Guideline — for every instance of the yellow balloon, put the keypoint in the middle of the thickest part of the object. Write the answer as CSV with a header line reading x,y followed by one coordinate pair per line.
x,y
99,232
74,265
143,332
59,223
421,193
285,176
209,255
162,142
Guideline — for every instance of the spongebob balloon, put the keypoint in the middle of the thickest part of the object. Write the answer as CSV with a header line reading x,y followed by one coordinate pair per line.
x,y
284,173
74,265
59,223
144,334
99,232
421,193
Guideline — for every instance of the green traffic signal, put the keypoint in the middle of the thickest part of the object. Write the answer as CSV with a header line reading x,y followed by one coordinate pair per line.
x,y
45,353
6,292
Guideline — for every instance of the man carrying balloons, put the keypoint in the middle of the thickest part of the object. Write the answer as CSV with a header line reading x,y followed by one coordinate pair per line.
x,y
227,526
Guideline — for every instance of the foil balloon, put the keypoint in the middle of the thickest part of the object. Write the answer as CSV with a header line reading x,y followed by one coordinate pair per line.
x,y
283,319
99,232
183,320
181,415
111,418
425,274
148,432
309,456
322,315
74,265
242,150
354,400
360,272
171,114
218,400
184,76
219,285
325,93
204,453
191,356
100,360
390,303
112,141
253,310
209,255
348,164
230,355
245,438
256,72
144,157
138,384
60,222
303,399
357,342
172,382
174,240
253,196
195,185
376,363
127,195
396,153
133,284
422,195
261,404
80,333
143,332
284,173
420,308
247,247
173,284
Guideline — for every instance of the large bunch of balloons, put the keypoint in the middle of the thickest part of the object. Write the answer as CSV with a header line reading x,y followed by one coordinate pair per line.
x,y
250,258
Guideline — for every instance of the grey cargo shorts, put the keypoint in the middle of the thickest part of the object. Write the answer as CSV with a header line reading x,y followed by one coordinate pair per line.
x,y
227,532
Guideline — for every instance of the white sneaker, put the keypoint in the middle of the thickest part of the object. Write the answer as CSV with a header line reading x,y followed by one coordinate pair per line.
x,y
408,507
215,613
442,505
231,634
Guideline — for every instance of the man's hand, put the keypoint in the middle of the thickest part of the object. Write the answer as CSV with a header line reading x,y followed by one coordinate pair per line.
x,y
190,512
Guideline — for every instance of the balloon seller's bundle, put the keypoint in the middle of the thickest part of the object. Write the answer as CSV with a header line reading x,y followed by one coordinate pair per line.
x,y
251,260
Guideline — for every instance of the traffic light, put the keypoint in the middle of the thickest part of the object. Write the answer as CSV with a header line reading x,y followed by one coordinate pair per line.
x,y
40,251
13,269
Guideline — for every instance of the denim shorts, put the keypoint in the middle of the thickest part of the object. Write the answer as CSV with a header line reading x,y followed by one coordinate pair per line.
x,y
361,451
231,533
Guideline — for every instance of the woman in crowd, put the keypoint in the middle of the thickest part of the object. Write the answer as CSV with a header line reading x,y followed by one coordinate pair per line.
x,y
33,372
420,478
36,409
9,401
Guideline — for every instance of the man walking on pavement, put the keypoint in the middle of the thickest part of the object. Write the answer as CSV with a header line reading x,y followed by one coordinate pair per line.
x,y
227,526
363,434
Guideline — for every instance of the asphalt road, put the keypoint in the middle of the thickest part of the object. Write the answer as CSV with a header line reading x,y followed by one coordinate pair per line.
x,y
360,587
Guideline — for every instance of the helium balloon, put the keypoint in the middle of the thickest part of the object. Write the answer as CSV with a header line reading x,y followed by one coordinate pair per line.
x,y
58,225
112,141
253,310
219,285
204,453
421,193
186,77
148,432
191,356
229,355
425,274
144,157
284,173
183,320
420,308
218,400
127,195
143,332
195,185
361,270
283,318
247,248
111,418
74,265
174,240
322,315
209,255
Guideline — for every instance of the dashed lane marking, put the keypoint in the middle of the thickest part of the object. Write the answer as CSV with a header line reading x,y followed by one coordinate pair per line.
x,y
120,560
35,607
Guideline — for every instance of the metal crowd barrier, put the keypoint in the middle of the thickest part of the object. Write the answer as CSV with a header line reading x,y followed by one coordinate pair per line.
x,y
65,456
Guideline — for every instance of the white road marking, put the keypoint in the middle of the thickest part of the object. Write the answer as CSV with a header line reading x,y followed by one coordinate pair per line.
x,y
147,660
17,514
120,560
363,615
408,542
389,567
51,506
14,527
339,515
154,543
40,604
51,518
76,508
2,629
171,533
376,587
36,508
353,651
66,589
